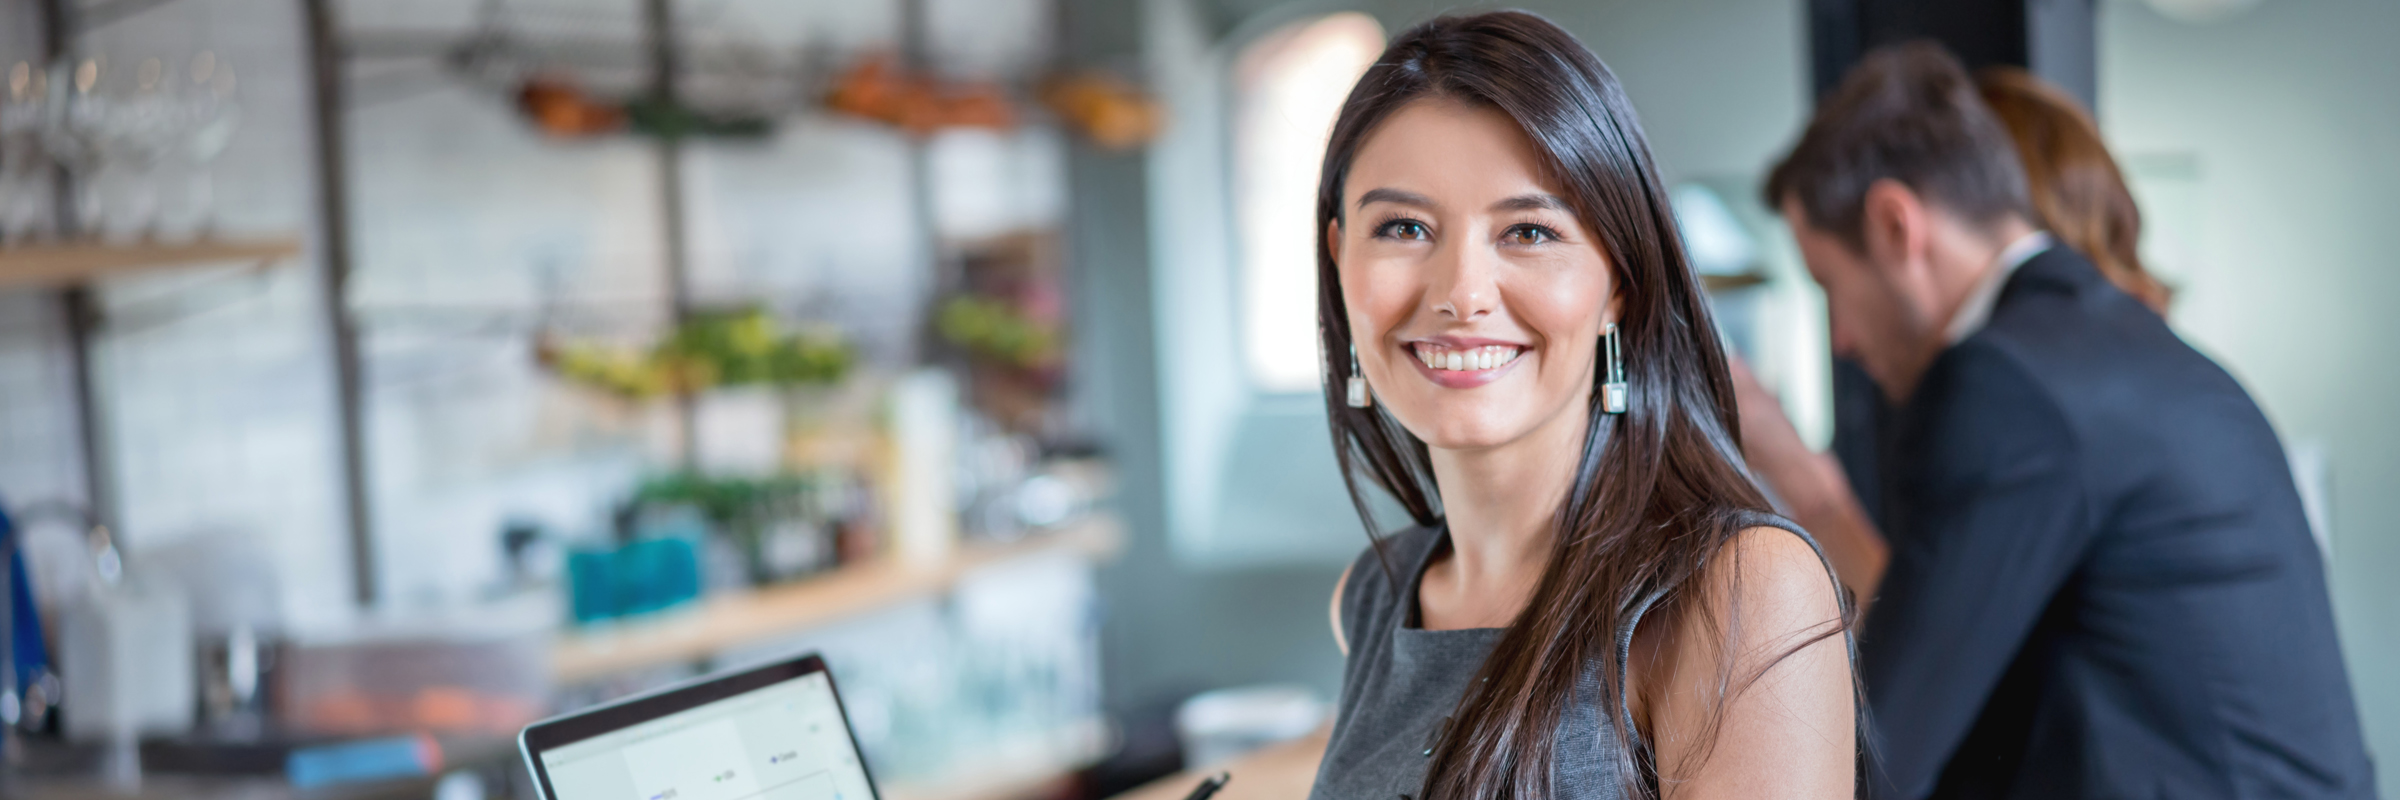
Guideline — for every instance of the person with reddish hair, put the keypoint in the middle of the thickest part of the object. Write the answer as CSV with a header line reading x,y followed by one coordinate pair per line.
x,y
2078,192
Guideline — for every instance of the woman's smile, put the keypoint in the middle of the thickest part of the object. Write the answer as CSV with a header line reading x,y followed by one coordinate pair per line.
x,y
1463,363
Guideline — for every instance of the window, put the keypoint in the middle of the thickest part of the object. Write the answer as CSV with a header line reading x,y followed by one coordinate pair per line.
x,y
1288,86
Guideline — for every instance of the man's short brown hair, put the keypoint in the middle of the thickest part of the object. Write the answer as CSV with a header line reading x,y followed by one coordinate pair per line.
x,y
1908,113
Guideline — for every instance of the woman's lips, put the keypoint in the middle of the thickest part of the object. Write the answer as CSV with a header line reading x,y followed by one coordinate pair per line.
x,y
1464,367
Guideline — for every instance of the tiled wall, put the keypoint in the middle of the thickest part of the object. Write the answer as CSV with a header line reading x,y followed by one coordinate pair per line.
x,y
38,453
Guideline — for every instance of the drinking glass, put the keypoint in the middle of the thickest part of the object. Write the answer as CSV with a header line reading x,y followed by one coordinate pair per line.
x,y
24,195
77,125
210,119
138,130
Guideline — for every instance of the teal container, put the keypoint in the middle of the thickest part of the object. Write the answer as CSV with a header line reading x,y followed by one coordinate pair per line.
x,y
592,584
654,574
640,577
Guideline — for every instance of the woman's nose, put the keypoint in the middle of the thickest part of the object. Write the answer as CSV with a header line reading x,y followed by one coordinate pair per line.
x,y
1463,286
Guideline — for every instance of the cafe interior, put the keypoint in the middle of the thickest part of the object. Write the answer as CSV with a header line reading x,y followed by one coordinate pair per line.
x,y
378,378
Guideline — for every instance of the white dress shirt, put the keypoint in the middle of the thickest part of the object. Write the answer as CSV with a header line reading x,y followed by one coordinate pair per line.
x,y
1977,310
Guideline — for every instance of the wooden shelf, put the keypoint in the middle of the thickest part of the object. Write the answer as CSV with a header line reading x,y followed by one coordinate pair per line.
x,y
49,266
715,624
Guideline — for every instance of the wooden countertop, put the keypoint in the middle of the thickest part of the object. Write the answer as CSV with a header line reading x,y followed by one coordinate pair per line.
x,y
1281,772
719,623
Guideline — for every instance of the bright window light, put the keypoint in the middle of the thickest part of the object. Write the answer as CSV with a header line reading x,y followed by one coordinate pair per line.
x,y
1288,87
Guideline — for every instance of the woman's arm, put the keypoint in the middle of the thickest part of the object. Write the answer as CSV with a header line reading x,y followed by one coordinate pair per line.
x,y
1777,720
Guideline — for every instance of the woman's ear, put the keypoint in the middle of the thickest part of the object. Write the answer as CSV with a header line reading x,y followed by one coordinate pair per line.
x,y
1894,224
1333,240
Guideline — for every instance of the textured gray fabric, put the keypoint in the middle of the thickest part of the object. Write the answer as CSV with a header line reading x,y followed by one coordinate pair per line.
x,y
1402,683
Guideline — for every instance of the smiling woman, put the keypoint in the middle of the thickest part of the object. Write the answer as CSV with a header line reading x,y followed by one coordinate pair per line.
x,y
1594,601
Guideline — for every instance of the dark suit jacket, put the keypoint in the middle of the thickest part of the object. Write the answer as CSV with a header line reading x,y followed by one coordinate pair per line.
x,y
2102,583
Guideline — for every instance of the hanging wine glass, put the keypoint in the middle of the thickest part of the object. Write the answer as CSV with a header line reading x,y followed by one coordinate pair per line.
x,y
139,130
77,124
210,119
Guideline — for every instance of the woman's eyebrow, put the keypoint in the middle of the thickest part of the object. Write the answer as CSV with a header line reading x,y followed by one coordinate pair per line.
x,y
1531,202
1401,197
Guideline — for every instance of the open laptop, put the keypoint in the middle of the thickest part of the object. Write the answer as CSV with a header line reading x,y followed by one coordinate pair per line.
x,y
777,732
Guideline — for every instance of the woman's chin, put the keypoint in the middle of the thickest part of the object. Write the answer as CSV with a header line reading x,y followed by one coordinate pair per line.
x,y
1457,431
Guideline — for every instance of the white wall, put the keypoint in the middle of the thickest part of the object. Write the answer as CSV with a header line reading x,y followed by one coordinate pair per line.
x,y
2267,151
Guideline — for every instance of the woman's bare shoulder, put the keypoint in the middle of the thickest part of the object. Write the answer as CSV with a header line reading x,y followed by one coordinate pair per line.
x,y
1765,594
1777,574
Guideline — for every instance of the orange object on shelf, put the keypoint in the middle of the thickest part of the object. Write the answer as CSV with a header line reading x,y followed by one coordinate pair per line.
x,y
1108,110
878,88
980,104
562,109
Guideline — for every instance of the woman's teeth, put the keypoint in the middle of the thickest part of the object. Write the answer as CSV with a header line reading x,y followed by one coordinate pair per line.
x,y
1473,359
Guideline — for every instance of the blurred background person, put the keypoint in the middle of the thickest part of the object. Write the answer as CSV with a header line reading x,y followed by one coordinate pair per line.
x,y
2098,579
2078,191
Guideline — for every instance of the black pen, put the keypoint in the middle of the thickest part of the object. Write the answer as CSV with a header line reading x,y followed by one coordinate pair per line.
x,y
1209,787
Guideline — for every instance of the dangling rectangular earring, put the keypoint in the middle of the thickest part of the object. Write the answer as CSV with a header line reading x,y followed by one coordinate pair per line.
x,y
1358,396
1612,388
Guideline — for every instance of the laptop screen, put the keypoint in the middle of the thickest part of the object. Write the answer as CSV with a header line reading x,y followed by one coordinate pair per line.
x,y
783,741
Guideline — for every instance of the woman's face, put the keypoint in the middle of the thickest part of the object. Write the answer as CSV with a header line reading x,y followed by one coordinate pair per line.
x,y
1476,296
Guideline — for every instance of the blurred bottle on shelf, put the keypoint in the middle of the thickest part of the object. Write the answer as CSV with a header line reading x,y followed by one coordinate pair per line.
x,y
922,484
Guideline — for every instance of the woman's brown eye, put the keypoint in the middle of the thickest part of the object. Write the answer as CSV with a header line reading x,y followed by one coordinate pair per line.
x,y
1528,234
1404,229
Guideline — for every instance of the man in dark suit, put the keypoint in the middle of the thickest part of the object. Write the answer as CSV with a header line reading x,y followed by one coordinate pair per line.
x,y
2096,579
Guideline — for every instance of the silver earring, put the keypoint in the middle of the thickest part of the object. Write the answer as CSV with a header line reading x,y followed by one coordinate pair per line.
x,y
1359,398
1612,388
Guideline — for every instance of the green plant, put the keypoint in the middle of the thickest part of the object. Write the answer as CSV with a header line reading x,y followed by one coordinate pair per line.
x,y
725,348
994,329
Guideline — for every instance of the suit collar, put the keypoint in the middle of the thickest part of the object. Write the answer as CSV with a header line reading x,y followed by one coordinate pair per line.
x,y
2060,265
1977,309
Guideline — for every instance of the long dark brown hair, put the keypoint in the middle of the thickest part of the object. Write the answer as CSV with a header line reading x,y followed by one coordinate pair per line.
x,y
1659,490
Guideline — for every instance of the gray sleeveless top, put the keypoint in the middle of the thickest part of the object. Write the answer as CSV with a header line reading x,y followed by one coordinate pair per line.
x,y
1403,682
